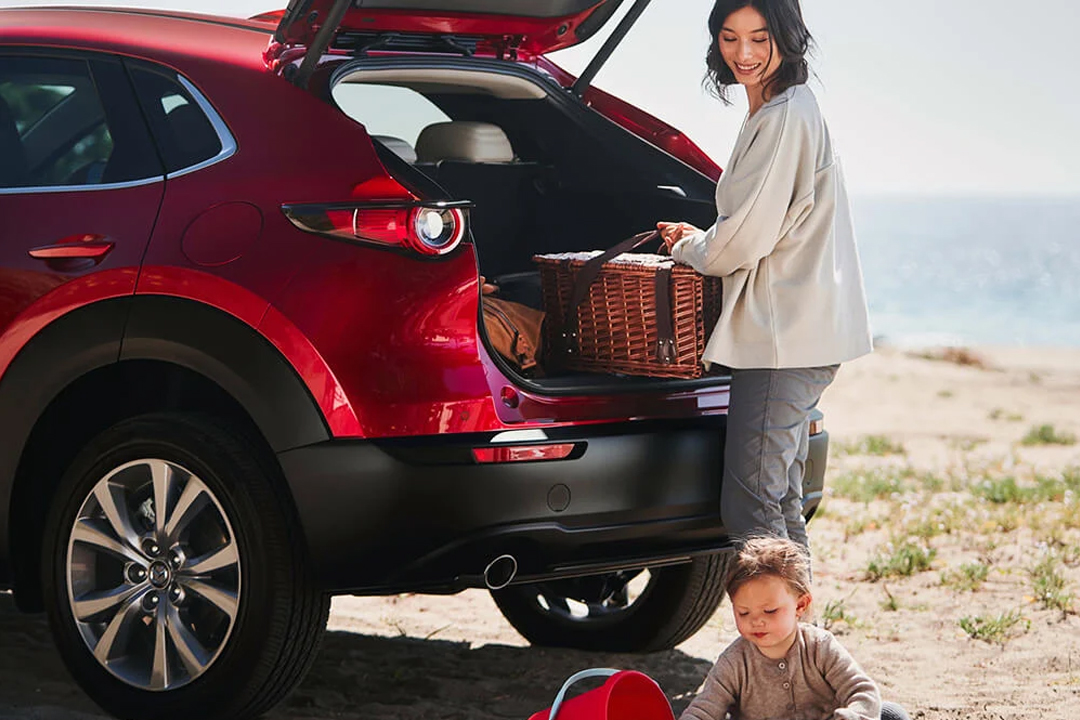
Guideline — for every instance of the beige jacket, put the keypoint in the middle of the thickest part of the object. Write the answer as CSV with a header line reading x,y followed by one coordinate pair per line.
x,y
816,680
784,246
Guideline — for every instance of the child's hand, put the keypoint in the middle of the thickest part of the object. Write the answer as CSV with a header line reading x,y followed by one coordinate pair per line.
x,y
673,232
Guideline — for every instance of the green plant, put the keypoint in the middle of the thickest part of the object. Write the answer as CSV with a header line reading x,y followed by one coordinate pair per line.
x,y
866,485
901,560
929,519
871,445
1003,490
968,578
835,611
1047,435
931,483
946,394
995,629
1050,586
889,604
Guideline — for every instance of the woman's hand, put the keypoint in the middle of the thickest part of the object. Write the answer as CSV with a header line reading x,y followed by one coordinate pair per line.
x,y
673,232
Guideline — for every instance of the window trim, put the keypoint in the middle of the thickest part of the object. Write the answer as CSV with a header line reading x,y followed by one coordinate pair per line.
x,y
27,189
225,136
89,57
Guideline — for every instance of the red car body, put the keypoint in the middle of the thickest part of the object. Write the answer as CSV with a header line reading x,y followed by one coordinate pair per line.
x,y
361,370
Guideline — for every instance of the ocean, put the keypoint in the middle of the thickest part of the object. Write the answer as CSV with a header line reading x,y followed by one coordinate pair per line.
x,y
970,271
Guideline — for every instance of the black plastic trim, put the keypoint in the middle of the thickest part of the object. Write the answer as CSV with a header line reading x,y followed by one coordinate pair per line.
x,y
71,346
415,515
233,355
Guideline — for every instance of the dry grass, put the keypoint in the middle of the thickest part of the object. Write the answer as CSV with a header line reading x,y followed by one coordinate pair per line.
x,y
957,356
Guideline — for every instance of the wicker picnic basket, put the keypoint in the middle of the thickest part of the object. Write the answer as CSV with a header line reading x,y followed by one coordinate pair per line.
x,y
632,313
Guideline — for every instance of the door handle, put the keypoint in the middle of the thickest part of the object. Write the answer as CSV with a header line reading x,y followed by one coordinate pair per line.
x,y
74,248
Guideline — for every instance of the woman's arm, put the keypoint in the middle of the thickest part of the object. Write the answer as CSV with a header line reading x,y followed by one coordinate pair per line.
x,y
771,184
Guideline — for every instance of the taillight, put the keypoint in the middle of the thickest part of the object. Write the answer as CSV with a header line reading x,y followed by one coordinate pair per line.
x,y
426,228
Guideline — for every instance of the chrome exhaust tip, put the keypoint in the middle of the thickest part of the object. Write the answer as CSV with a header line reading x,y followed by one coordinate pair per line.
x,y
500,572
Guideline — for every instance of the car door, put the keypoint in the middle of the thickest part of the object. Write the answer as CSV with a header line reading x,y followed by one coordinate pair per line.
x,y
80,187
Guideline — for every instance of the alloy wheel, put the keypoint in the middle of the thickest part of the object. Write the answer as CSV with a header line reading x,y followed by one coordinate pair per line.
x,y
153,575
596,599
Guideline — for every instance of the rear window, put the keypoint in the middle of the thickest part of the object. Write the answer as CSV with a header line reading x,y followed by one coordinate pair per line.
x,y
184,134
387,110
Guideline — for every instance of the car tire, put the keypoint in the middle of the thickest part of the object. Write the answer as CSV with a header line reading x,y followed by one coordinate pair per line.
x,y
204,611
675,602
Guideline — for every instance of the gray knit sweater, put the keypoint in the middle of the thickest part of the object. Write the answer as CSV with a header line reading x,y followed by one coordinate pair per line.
x,y
817,680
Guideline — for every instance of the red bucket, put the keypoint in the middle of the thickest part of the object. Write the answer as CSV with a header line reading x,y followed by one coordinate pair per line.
x,y
627,695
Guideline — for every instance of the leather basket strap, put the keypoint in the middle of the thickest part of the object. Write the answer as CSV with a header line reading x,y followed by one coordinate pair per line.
x,y
665,341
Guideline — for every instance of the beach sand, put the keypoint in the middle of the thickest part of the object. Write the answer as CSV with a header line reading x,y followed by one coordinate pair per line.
x,y
960,422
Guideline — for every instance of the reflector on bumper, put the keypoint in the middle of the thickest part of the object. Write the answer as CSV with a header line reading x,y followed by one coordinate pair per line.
x,y
522,453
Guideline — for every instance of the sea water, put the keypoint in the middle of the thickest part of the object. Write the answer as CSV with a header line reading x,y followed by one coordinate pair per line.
x,y
960,271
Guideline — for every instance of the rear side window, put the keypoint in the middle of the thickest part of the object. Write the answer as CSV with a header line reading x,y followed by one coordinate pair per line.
x,y
53,128
184,134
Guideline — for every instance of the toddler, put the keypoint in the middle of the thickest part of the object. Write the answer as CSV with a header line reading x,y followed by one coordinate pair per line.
x,y
779,667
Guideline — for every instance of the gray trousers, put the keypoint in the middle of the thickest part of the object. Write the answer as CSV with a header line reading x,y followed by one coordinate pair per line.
x,y
768,438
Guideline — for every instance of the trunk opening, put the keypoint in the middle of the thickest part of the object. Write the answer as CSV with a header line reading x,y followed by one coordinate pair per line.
x,y
546,174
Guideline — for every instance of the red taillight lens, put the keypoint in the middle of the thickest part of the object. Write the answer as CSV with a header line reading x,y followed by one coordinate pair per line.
x,y
428,229
523,453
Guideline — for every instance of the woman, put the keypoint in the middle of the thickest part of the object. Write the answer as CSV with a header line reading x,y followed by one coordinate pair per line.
x,y
793,300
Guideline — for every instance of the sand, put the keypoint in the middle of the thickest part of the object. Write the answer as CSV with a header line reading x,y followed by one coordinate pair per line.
x,y
455,657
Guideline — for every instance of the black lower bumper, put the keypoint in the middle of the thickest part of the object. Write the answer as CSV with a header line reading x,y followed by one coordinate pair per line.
x,y
422,515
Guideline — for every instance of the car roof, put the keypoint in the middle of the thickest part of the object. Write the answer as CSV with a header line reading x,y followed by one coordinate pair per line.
x,y
163,36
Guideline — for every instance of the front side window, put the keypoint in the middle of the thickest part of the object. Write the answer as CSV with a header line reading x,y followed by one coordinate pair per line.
x,y
53,128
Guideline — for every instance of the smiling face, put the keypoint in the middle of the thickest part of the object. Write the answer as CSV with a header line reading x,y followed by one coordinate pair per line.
x,y
767,613
747,48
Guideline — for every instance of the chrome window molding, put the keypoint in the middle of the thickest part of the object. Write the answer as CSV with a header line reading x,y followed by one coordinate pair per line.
x,y
228,142
228,149
28,190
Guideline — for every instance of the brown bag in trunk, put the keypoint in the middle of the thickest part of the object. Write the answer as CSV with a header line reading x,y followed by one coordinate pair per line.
x,y
514,330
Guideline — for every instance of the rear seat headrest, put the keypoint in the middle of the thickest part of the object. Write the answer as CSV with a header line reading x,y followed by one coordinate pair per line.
x,y
399,147
464,140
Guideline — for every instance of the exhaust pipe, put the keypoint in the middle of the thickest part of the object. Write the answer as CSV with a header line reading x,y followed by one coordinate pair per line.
x,y
500,572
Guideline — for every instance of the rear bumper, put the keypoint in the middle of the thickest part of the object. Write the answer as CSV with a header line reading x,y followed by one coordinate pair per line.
x,y
420,515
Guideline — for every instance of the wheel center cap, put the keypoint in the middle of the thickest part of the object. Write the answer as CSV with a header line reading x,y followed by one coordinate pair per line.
x,y
160,575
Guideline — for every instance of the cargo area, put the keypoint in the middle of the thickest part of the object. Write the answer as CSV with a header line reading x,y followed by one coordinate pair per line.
x,y
545,173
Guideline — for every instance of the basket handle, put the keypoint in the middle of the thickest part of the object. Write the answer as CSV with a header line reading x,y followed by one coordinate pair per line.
x,y
581,675
665,344
591,269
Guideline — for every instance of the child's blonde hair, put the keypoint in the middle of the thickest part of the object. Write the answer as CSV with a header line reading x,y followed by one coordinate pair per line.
x,y
771,556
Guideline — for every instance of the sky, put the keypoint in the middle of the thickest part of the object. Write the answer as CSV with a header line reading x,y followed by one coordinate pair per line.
x,y
923,97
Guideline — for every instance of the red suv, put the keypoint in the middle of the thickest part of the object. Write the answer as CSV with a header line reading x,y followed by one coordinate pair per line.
x,y
242,363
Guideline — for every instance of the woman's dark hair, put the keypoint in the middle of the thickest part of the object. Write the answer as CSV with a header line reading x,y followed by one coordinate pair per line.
x,y
789,35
